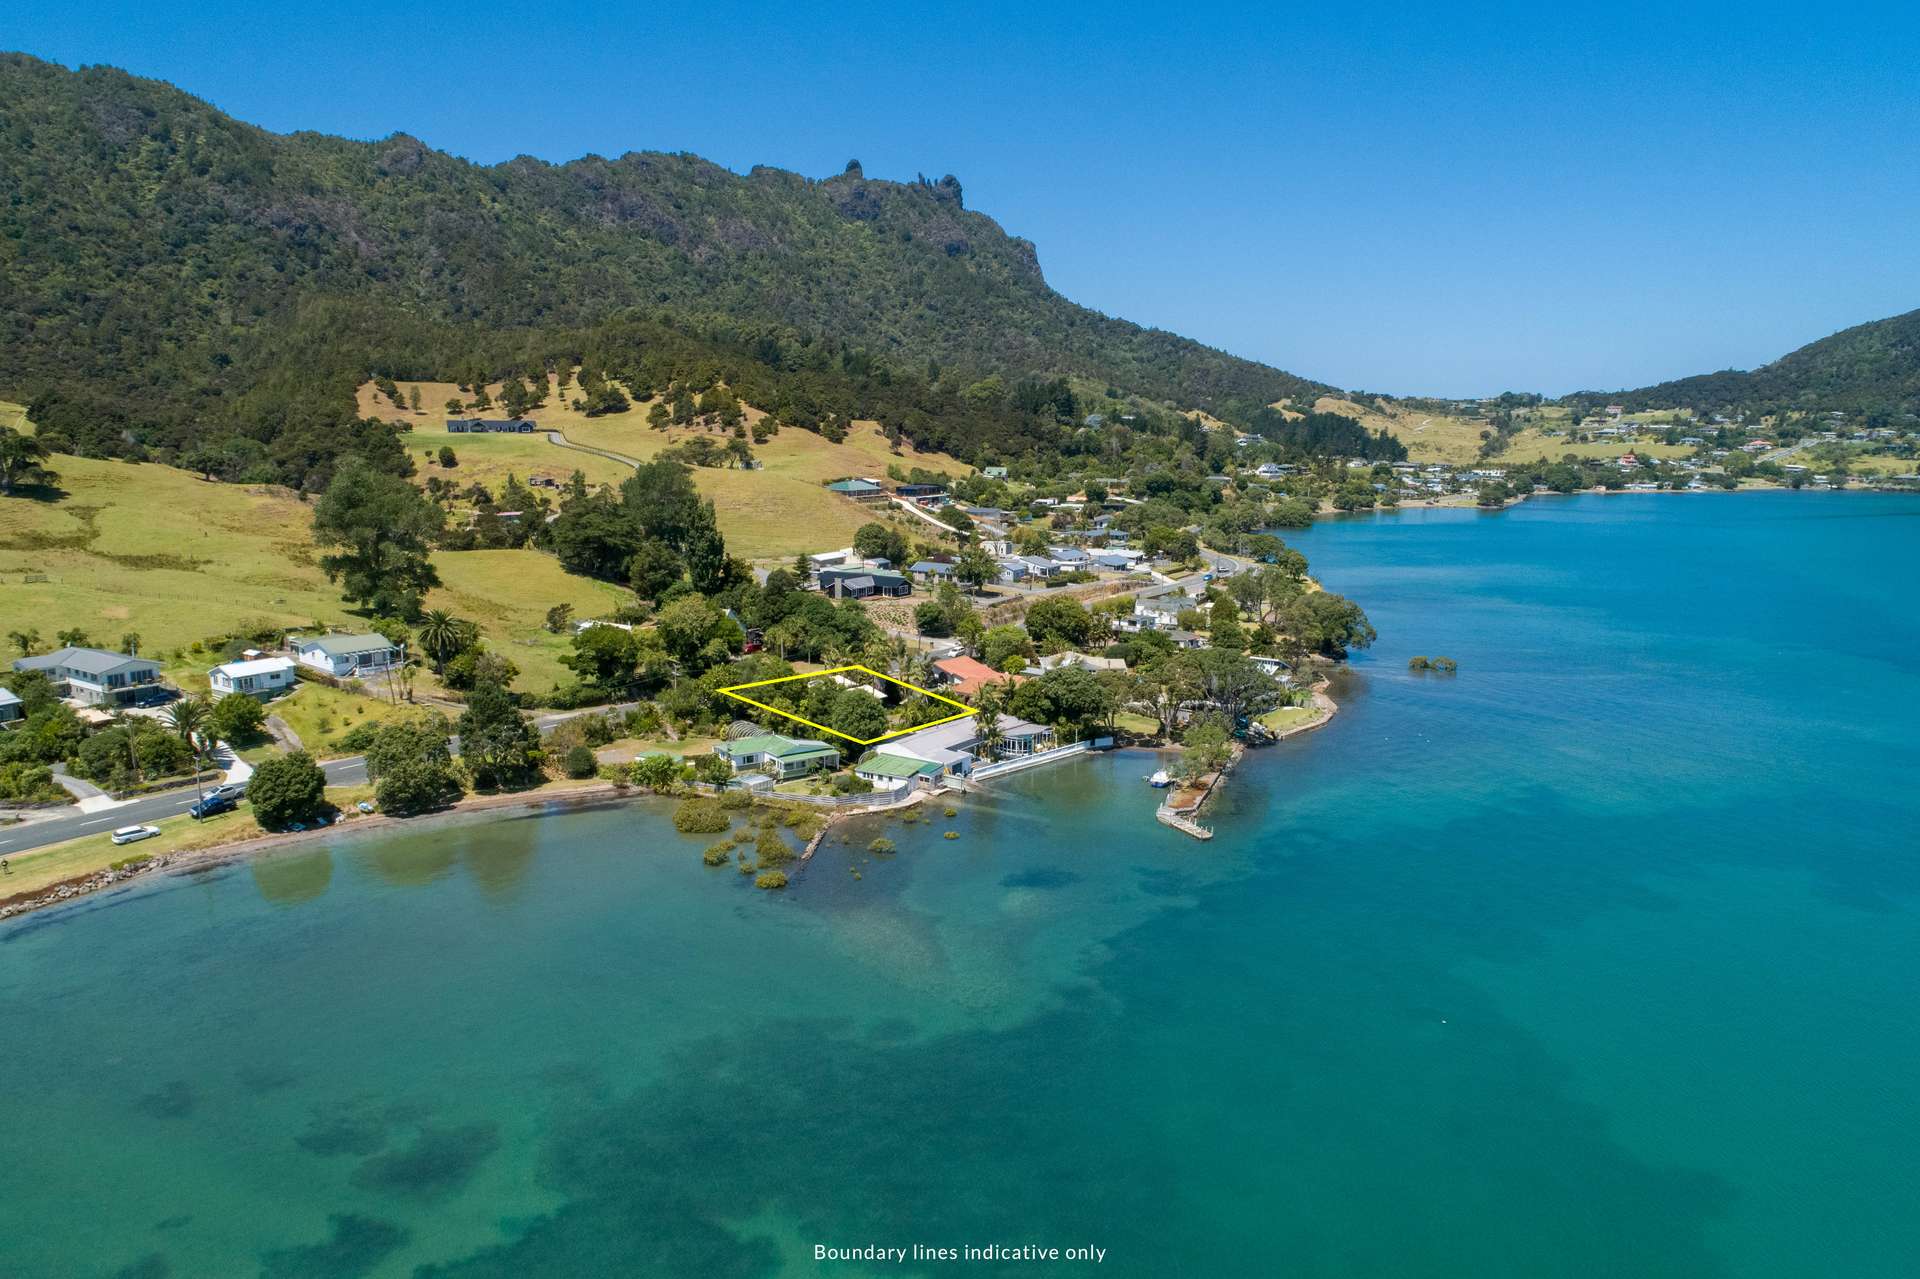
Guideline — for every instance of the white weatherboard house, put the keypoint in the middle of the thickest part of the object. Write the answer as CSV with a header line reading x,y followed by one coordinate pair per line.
x,y
94,677
778,755
262,677
342,655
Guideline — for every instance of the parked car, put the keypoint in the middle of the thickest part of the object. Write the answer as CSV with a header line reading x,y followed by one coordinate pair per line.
x,y
212,805
228,790
128,834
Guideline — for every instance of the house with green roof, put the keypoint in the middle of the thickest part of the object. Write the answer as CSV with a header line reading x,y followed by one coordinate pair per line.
x,y
895,772
343,655
778,755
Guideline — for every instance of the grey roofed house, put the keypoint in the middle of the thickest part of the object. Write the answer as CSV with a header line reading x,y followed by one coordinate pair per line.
x,y
344,654
952,745
482,425
9,705
93,675
860,583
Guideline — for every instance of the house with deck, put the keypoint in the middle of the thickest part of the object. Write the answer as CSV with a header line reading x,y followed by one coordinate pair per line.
x,y
862,583
956,747
860,490
778,756
344,656
95,677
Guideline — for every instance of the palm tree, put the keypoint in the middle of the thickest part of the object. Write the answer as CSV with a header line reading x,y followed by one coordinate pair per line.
x,y
25,641
783,635
187,717
440,636
991,735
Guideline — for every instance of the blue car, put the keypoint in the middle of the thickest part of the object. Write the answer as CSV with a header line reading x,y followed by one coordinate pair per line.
x,y
212,805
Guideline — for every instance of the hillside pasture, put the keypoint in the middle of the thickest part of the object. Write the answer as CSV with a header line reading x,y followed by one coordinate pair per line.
x,y
508,593
143,548
774,511
1429,437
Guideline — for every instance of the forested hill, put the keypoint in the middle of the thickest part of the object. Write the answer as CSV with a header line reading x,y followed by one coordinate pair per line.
x,y
175,268
1871,368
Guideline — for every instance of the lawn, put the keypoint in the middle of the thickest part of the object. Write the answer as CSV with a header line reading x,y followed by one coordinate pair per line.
x,y
628,749
320,715
1290,717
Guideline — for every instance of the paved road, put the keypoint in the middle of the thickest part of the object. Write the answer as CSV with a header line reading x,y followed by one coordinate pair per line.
x,y
18,839
351,771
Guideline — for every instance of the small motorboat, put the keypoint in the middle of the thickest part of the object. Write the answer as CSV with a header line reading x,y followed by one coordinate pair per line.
x,y
1160,778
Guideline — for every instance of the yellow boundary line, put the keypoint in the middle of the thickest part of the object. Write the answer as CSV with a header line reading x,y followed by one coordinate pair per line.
x,y
733,691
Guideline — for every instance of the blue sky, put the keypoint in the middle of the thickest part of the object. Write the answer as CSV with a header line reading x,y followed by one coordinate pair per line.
x,y
1399,199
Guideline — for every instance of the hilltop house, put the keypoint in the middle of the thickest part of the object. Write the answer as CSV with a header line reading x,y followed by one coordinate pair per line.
x,y
859,490
94,677
860,583
483,425
262,677
344,655
777,755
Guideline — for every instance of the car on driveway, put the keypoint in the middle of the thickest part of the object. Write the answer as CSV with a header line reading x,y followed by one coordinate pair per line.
x,y
128,834
213,804
228,790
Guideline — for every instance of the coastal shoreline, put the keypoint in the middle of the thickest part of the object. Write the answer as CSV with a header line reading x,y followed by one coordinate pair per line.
x,y
67,890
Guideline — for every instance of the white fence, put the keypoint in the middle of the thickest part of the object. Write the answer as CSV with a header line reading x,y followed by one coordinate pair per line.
x,y
1018,762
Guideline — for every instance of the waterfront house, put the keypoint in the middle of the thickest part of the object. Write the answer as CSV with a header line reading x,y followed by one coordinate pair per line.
x,y
10,711
95,677
345,655
779,756
261,677
955,746
890,772
1272,666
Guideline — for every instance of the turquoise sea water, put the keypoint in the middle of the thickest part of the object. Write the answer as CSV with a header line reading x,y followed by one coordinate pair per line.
x,y
1599,958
